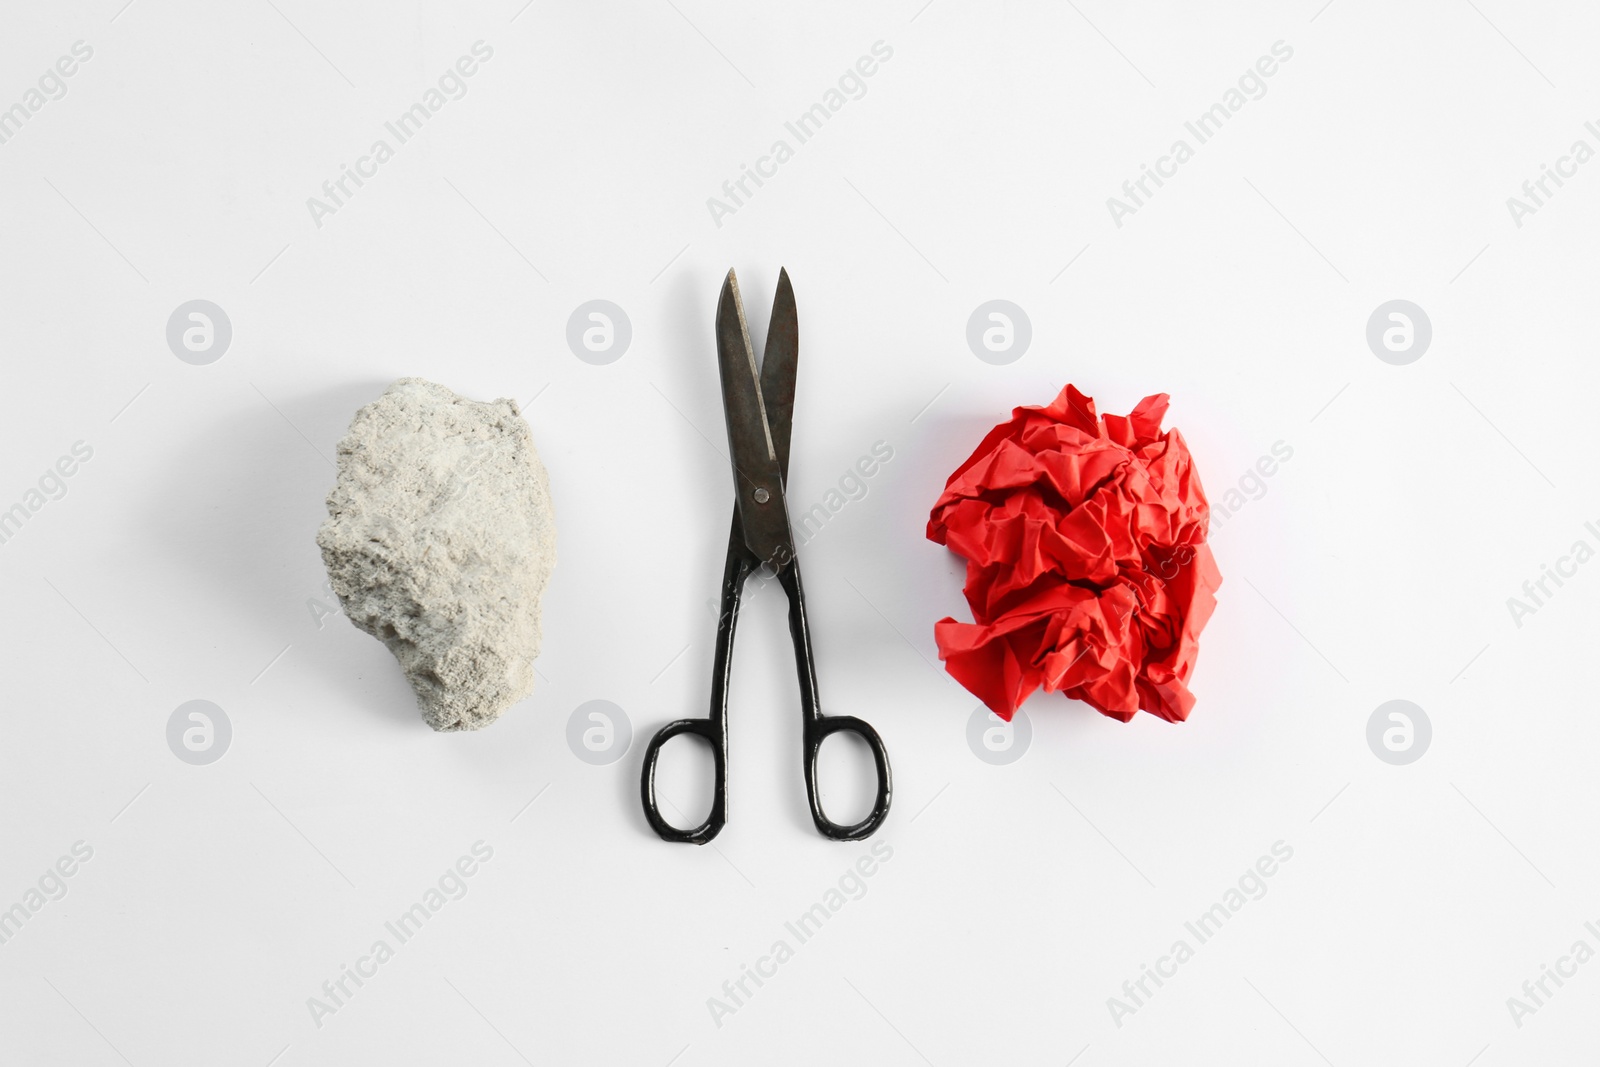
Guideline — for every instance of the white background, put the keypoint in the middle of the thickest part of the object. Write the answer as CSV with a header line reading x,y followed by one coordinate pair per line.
x,y
181,563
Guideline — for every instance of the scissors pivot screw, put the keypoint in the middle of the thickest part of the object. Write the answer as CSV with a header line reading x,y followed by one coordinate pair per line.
x,y
762,496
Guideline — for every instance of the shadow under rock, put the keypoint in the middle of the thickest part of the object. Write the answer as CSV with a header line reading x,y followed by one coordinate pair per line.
x,y
242,513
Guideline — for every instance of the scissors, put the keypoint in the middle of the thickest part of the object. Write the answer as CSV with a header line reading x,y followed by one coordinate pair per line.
x,y
759,405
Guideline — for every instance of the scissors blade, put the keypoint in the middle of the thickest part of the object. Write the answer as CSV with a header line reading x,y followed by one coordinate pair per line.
x,y
757,474
778,368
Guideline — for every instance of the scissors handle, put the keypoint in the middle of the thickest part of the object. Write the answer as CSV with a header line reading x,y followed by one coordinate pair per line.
x,y
819,727
718,818
713,728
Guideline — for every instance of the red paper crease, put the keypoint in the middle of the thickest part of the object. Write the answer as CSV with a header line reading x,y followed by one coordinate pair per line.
x,y
1087,567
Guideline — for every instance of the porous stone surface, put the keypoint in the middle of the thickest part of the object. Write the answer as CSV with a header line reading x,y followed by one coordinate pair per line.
x,y
439,540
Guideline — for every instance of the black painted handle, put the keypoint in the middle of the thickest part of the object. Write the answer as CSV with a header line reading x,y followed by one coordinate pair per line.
x,y
718,818
819,729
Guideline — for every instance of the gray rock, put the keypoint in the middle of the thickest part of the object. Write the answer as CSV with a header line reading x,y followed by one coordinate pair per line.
x,y
439,540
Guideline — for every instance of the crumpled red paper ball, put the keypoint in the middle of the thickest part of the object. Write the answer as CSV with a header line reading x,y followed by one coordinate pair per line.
x,y
1087,567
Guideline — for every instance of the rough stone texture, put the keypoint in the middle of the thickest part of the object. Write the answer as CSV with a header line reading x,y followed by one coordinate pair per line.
x,y
439,540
